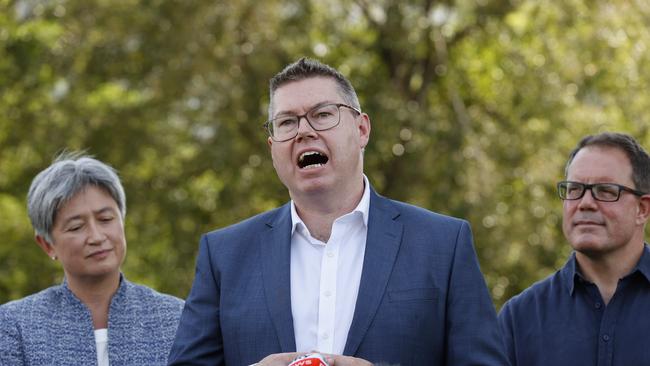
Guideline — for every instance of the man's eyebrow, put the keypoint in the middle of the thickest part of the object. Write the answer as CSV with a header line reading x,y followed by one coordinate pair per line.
x,y
293,113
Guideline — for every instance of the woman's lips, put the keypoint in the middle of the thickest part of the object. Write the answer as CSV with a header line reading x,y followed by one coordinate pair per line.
x,y
100,254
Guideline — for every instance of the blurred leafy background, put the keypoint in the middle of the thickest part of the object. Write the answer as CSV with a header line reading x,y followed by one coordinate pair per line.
x,y
475,105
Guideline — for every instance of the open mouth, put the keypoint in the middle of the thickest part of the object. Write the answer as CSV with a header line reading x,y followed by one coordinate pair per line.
x,y
311,159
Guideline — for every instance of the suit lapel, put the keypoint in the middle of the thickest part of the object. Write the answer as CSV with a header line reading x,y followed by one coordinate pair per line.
x,y
382,244
276,251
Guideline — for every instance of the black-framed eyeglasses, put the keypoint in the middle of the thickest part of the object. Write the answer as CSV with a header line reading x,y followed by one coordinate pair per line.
x,y
320,118
606,192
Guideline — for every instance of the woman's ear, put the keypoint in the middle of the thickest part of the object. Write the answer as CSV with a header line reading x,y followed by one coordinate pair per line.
x,y
47,247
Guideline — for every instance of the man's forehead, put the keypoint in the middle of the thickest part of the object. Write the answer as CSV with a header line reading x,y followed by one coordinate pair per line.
x,y
600,163
594,153
306,92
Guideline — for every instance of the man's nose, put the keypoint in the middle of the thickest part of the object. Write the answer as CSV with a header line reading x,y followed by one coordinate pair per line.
x,y
587,201
305,129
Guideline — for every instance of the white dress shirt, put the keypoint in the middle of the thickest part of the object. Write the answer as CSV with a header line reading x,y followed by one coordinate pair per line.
x,y
325,278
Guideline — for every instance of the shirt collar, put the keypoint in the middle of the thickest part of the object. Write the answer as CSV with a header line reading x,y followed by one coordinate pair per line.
x,y
643,266
118,296
570,274
363,207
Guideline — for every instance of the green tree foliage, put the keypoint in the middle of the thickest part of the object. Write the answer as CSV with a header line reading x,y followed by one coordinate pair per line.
x,y
474,106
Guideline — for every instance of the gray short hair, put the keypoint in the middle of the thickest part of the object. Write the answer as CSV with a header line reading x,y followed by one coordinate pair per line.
x,y
69,174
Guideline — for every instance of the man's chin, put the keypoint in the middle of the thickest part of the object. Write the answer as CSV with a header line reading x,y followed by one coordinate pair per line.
x,y
310,186
590,247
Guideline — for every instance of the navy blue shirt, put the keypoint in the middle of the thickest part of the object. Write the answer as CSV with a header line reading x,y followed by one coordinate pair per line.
x,y
562,320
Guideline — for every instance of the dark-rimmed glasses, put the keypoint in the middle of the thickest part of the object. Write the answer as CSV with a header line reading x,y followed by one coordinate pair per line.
x,y
605,192
320,118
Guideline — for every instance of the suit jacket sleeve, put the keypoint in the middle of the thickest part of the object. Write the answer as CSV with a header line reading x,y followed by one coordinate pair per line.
x,y
198,338
506,326
473,336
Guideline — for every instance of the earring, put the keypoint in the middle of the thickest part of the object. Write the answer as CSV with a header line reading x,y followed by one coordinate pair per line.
x,y
53,257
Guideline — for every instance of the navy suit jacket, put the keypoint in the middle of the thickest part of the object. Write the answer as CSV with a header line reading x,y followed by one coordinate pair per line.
x,y
422,299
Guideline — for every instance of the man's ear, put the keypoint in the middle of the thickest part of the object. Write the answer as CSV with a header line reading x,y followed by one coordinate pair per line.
x,y
364,129
45,245
643,211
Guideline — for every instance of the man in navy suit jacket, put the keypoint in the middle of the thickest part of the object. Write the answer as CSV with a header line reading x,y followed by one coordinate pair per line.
x,y
339,270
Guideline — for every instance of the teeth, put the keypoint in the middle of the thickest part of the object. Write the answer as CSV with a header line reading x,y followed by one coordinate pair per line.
x,y
308,153
311,159
313,166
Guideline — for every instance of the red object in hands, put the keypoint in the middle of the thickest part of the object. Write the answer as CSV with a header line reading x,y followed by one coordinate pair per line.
x,y
312,359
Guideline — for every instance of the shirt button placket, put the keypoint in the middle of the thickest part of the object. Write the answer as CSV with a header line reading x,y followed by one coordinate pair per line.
x,y
327,298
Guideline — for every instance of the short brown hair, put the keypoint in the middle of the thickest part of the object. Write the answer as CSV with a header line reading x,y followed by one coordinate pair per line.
x,y
639,158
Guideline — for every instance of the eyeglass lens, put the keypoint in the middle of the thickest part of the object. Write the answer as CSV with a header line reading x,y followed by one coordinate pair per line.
x,y
320,118
600,191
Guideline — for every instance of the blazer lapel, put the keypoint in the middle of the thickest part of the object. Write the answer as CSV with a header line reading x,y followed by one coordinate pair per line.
x,y
382,244
276,244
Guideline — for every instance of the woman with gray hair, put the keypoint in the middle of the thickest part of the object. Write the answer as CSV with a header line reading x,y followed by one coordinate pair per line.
x,y
96,316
